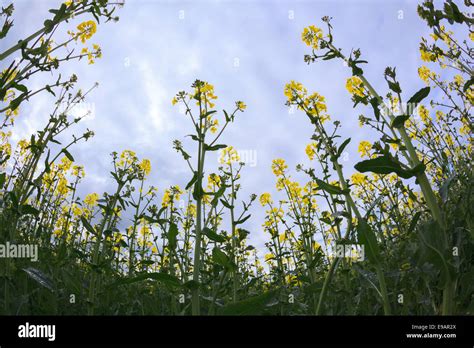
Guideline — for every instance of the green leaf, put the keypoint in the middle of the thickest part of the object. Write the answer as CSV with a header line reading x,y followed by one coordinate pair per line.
x,y
367,237
48,88
214,147
399,121
419,96
68,155
394,86
221,258
212,235
172,234
87,225
3,177
21,88
193,180
434,250
250,306
342,147
27,209
383,165
241,221
468,84
375,105
164,278
413,222
331,189
224,203
197,192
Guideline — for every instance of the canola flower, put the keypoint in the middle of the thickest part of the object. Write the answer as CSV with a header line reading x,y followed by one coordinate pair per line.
x,y
145,166
311,150
426,74
279,166
229,155
240,105
86,30
265,198
364,148
312,36
355,86
91,199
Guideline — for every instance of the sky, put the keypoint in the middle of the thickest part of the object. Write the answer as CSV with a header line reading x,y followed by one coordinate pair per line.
x,y
248,50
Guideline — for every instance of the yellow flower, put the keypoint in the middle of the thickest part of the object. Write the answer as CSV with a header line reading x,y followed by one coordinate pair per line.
x,y
205,91
282,237
425,74
293,90
229,155
240,105
76,210
279,166
91,199
65,165
355,86
424,114
311,150
145,166
458,80
358,178
265,198
87,29
269,257
171,195
427,56
78,171
311,36
364,148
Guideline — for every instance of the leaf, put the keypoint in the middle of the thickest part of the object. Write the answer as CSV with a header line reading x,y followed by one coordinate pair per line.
x,y
419,96
383,165
342,147
413,222
192,181
224,203
87,225
27,209
250,306
468,84
21,88
212,235
172,234
367,237
221,258
334,190
197,192
68,155
241,221
399,121
164,278
444,189
39,277
3,177
48,88
214,147
435,250
394,86
191,285
375,105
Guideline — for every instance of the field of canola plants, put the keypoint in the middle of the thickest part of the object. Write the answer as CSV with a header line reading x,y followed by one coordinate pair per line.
x,y
405,213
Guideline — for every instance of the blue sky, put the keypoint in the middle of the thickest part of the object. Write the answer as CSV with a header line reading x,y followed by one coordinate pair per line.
x,y
248,50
